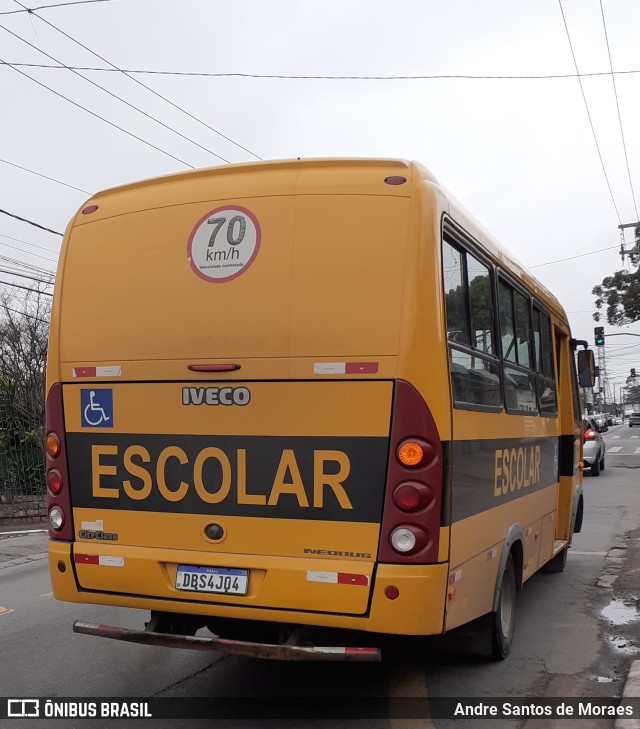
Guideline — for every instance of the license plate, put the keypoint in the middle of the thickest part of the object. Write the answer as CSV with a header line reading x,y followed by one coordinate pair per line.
x,y
220,580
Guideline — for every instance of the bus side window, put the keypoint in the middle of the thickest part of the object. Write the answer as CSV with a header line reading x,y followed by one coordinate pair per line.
x,y
475,371
545,380
517,367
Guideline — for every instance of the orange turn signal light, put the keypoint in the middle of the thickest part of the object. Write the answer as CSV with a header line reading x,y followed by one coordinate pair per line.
x,y
52,445
410,453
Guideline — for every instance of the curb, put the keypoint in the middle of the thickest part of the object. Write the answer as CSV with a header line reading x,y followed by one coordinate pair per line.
x,y
631,690
21,533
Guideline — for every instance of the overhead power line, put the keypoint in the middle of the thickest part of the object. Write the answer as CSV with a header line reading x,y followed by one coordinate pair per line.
x,y
115,96
24,264
570,258
26,288
24,275
56,5
593,131
33,245
615,91
148,88
300,77
53,179
93,113
23,313
30,222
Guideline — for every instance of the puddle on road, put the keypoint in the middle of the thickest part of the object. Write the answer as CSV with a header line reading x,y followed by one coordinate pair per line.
x,y
623,645
621,612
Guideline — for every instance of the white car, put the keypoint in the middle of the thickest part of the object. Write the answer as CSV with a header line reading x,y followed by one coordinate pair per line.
x,y
593,447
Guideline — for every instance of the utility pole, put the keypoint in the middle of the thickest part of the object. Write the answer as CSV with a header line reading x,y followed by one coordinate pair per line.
x,y
623,251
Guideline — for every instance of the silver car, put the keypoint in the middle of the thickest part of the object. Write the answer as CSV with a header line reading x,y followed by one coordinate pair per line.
x,y
593,446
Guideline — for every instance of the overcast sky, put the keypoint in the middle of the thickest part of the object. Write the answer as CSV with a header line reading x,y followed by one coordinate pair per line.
x,y
518,153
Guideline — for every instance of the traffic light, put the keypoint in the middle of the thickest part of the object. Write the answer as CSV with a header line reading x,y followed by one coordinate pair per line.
x,y
598,333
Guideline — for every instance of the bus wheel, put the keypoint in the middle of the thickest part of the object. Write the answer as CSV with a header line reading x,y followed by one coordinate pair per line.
x,y
503,620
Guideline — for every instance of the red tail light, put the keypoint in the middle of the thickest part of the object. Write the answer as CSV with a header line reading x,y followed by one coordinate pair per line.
x,y
589,434
58,497
54,481
411,519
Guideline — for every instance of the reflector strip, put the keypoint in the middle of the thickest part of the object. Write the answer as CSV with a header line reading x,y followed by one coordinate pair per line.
x,y
111,561
347,579
345,368
455,577
340,578
104,561
492,554
97,371
353,649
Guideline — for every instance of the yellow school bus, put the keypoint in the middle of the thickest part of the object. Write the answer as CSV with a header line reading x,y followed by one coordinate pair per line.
x,y
294,396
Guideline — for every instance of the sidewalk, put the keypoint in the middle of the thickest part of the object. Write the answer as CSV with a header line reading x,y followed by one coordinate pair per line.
x,y
22,544
4,528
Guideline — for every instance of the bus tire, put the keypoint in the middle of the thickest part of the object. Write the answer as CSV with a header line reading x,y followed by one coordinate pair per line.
x,y
503,619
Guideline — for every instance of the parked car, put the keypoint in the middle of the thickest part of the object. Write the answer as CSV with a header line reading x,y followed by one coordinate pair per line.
x,y
601,421
593,446
634,419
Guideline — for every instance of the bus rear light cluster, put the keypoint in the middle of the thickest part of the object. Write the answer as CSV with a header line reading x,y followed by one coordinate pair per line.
x,y
413,499
57,475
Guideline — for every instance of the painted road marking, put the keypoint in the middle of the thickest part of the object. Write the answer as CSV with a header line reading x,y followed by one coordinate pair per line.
x,y
47,594
615,436
614,450
637,451
408,680
589,554
633,437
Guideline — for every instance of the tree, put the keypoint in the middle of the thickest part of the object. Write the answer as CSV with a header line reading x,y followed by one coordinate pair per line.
x,y
24,327
632,395
619,294
24,331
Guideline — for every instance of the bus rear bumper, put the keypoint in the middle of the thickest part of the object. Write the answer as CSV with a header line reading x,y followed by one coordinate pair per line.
x,y
418,608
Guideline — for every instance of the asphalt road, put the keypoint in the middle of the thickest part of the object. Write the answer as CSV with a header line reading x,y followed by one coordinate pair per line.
x,y
576,635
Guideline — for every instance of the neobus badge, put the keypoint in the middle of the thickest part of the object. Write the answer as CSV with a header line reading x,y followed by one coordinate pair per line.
x,y
215,396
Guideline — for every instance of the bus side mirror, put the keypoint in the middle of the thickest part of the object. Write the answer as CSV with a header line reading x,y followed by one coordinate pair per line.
x,y
586,368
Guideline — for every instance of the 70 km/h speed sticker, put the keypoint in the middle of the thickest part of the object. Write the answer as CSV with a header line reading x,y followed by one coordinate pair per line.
x,y
223,244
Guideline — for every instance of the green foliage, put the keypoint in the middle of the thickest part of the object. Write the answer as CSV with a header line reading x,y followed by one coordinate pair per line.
x,y
619,295
22,460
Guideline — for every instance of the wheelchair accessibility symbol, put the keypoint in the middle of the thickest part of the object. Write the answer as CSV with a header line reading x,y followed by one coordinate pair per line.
x,y
96,408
